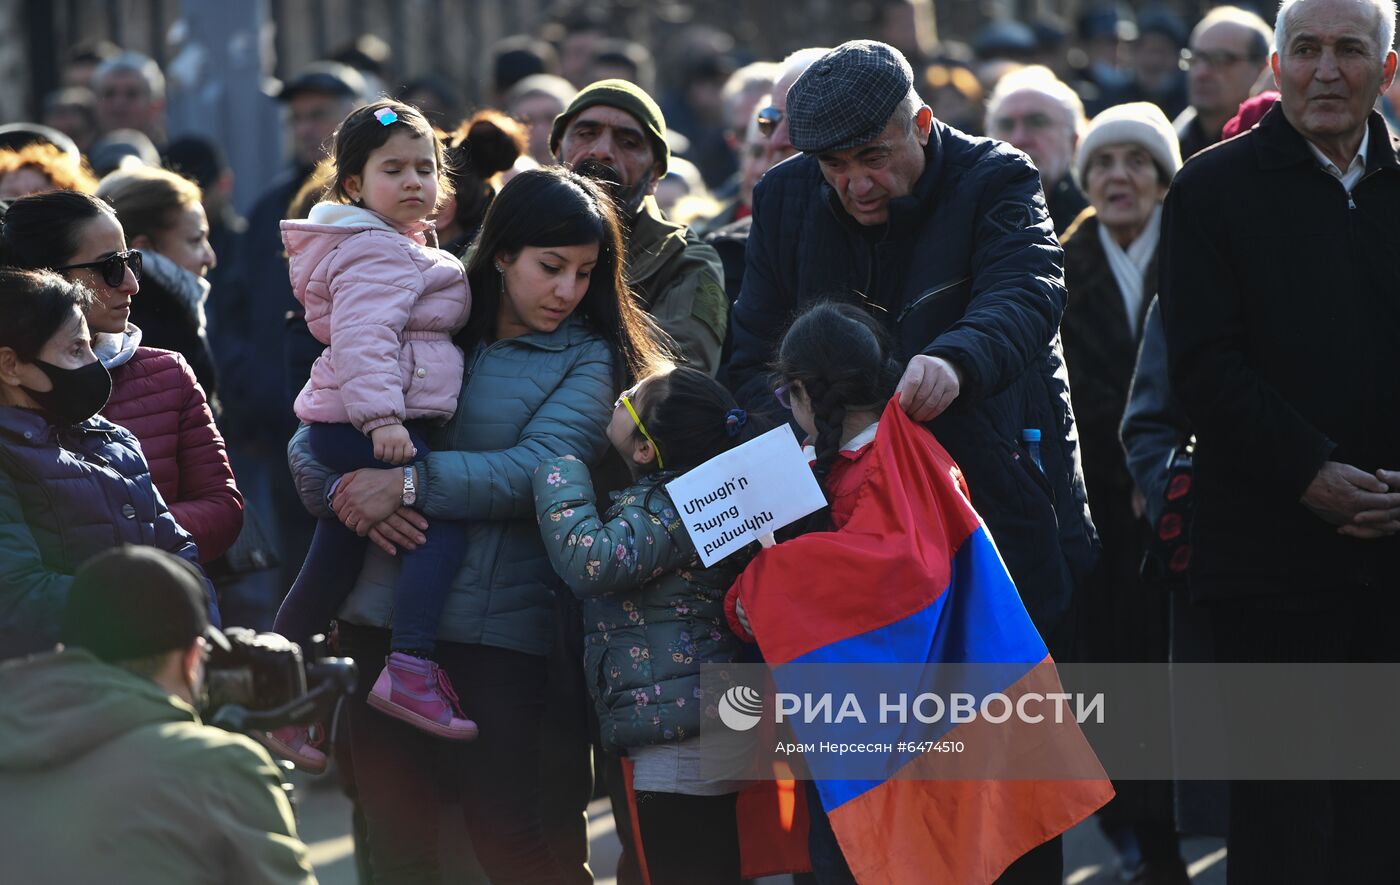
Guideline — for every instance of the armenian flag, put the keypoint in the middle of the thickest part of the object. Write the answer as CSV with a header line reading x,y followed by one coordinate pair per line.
x,y
914,577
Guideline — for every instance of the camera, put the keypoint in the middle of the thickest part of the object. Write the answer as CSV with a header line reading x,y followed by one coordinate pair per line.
x,y
264,682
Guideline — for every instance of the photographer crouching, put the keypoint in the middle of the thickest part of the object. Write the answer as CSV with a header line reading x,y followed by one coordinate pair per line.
x,y
106,770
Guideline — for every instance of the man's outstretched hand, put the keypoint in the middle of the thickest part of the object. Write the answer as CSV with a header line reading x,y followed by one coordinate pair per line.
x,y
928,388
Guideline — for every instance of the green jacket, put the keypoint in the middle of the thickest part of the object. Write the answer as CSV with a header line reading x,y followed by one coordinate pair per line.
x,y
680,282
523,400
652,614
106,778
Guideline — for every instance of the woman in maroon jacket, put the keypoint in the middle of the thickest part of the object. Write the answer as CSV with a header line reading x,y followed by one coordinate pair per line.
x,y
154,392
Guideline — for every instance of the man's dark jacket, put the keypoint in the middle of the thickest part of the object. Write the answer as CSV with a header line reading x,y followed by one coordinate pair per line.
x,y
730,241
277,349
1281,300
967,269
1067,202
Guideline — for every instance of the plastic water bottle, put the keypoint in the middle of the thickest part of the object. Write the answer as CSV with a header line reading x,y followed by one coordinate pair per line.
x,y
1031,437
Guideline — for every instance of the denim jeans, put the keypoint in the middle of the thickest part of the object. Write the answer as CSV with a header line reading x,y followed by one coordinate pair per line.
x,y
337,553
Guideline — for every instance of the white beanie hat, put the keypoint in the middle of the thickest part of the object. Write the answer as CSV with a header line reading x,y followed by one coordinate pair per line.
x,y
1139,122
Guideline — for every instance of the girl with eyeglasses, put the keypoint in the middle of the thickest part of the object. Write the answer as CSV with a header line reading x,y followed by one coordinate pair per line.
x,y
155,393
653,614
72,484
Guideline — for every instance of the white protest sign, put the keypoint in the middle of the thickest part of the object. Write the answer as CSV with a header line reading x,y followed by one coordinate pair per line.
x,y
746,494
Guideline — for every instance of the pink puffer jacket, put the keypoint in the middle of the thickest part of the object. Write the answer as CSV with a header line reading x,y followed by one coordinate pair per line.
x,y
387,306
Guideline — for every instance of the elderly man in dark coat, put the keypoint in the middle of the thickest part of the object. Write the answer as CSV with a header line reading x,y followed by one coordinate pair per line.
x,y
1279,279
946,238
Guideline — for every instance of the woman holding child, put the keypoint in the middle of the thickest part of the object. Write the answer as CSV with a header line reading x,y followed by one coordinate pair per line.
x,y
553,334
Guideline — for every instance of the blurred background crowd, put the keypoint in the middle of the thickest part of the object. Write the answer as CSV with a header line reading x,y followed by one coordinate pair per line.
x,y
241,100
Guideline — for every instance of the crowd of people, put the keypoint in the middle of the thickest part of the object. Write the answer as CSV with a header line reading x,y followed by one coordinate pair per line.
x,y
1135,277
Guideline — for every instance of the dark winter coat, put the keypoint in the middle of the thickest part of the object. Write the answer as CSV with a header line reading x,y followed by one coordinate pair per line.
x,y
67,494
169,311
1101,344
1278,293
652,613
275,347
1154,424
1123,619
1066,202
967,269
156,397
730,242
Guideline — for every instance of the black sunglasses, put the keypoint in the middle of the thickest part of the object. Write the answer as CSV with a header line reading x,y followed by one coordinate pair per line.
x,y
113,267
768,120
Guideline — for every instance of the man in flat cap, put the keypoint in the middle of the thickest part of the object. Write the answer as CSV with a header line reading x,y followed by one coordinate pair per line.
x,y
104,765
615,132
947,240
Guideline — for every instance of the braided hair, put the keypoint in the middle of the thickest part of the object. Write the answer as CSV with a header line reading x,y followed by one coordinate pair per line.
x,y
844,360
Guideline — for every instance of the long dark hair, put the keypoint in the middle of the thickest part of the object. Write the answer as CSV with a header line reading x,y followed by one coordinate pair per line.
x,y
484,145
556,207
844,360
692,418
43,231
36,304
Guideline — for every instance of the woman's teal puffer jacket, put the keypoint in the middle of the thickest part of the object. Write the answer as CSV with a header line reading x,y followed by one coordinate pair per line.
x,y
523,400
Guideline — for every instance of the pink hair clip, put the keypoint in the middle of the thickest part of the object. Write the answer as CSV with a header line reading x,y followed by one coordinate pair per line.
x,y
385,116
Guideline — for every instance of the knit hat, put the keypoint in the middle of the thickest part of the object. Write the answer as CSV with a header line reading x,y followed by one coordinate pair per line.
x,y
132,601
624,96
845,98
1139,122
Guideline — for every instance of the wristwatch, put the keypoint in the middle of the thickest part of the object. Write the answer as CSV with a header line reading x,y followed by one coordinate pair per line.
x,y
410,488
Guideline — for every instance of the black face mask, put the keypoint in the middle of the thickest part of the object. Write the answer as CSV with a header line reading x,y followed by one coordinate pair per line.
x,y
77,394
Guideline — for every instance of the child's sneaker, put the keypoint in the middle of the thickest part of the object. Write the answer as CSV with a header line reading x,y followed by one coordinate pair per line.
x,y
296,744
418,692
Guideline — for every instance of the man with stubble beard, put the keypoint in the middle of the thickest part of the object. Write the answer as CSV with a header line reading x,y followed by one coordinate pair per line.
x,y
614,132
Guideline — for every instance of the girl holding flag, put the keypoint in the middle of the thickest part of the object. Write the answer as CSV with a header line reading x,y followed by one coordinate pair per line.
x,y
900,520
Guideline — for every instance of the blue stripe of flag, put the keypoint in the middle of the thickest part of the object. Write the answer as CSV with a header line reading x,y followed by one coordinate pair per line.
x,y
979,618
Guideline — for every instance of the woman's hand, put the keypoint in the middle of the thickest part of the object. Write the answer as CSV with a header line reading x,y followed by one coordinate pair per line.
x,y
402,530
366,497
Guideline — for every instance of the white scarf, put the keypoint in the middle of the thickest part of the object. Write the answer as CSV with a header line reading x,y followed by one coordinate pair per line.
x,y
1130,266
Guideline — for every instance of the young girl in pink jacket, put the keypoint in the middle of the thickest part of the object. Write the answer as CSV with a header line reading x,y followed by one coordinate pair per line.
x,y
386,304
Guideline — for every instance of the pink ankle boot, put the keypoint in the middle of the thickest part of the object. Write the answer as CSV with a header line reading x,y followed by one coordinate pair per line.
x,y
418,692
295,743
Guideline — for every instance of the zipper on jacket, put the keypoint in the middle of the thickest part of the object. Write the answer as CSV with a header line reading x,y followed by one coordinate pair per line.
x,y
937,290
1351,203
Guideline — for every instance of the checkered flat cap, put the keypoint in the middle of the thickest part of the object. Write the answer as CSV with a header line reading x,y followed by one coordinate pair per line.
x,y
846,97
